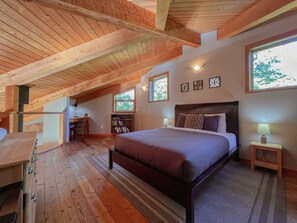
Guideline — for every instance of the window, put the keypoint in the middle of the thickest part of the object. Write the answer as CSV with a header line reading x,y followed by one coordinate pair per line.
x,y
158,88
124,101
272,63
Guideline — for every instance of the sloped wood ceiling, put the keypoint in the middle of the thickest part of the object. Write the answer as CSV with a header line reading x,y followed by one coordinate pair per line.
x,y
87,49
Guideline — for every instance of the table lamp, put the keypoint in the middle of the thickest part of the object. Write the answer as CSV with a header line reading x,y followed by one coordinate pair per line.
x,y
165,122
263,128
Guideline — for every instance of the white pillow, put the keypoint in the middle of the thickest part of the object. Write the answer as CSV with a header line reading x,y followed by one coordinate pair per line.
x,y
3,133
222,127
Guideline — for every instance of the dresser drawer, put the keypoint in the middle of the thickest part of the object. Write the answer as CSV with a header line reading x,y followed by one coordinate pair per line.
x,y
30,203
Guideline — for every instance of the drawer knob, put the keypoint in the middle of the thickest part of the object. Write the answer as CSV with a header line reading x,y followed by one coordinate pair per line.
x,y
30,170
33,197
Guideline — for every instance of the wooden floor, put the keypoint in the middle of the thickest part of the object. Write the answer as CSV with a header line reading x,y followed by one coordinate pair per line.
x,y
71,190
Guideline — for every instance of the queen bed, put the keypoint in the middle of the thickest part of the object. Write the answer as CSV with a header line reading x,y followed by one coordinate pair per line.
x,y
177,161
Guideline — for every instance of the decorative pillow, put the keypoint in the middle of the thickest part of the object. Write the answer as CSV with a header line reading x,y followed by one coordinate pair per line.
x,y
3,133
181,120
222,127
194,121
211,123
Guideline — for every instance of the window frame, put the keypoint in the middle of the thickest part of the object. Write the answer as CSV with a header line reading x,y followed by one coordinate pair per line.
x,y
287,37
151,79
121,92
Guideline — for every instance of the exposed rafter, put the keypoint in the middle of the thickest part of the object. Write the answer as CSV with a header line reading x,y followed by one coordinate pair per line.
x,y
69,58
125,14
261,11
162,13
106,78
110,90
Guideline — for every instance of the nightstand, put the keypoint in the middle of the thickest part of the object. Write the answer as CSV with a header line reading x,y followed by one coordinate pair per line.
x,y
267,147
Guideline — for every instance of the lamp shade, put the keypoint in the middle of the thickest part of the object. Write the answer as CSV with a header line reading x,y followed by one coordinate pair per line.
x,y
263,128
165,121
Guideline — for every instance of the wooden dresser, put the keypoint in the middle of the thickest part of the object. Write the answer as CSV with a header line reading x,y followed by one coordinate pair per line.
x,y
18,156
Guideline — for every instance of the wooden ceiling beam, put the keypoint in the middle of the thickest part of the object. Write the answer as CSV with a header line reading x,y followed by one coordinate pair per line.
x,y
162,13
125,14
74,56
111,90
102,80
260,12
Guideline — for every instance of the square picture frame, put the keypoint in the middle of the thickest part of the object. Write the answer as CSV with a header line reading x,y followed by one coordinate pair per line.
x,y
215,82
185,87
198,85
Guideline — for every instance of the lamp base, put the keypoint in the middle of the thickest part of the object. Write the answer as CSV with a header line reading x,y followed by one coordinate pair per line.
x,y
263,139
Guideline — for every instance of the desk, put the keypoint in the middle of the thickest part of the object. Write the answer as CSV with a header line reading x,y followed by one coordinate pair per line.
x,y
78,121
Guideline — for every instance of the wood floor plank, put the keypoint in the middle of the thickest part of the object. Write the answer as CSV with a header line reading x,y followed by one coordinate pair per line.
x,y
84,211
52,207
119,207
68,209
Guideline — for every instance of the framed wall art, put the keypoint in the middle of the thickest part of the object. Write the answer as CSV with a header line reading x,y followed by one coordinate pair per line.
x,y
185,87
198,85
215,82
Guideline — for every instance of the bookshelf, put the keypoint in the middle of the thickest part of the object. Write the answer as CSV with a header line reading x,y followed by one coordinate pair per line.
x,y
122,123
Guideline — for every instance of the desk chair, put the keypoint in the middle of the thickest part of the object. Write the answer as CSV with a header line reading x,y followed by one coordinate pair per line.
x,y
83,129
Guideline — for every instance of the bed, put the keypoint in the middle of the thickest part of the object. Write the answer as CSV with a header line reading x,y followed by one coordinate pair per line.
x,y
181,186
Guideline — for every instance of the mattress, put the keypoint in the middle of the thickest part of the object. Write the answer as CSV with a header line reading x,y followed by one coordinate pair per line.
x,y
181,153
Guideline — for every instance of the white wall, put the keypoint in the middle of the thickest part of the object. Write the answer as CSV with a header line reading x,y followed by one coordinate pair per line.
x,y
226,59
51,122
100,110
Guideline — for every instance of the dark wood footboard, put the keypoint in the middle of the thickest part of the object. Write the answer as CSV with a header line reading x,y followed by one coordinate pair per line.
x,y
181,192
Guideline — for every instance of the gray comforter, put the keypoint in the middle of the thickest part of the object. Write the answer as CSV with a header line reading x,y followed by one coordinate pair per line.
x,y
181,154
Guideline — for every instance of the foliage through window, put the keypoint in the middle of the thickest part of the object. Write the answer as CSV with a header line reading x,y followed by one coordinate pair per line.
x,y
124,101
158,88
273,65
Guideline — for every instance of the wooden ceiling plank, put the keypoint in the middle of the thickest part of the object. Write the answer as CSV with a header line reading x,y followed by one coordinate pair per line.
x,y
93,23
128,15
16,54
86,26
110,90
7,65
41,28
38,11
18,48
103,27
21,39
61,21
107,78
69,58
13,62
75,25
258,13
17,26
13,57
162,13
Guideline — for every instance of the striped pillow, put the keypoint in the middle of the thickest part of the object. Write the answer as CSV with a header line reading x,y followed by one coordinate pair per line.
x,y
194,121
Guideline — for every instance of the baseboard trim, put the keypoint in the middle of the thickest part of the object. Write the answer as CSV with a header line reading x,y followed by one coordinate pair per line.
x,y
286,171
100,135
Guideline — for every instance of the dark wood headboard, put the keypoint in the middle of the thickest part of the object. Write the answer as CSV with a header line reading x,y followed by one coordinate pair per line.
x,y
230,108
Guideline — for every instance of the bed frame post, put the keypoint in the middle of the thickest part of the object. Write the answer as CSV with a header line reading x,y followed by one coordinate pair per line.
x,y
190,216
110,158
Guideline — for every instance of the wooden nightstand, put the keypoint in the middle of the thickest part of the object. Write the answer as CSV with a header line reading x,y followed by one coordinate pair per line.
x,y
267,147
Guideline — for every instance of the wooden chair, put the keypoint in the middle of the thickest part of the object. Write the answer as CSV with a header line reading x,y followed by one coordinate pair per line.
x,y
80,130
